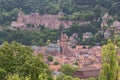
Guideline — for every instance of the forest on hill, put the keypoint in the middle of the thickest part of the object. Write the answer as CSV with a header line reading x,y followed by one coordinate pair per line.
x,y
77,9
41,37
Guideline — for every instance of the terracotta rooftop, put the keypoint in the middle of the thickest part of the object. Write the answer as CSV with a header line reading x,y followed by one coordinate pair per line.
x,y
54,67
87,72
88,68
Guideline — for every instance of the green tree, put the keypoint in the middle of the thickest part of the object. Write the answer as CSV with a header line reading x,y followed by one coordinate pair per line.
x,y
48,42
56,63
76,79
91,78
68,69
15,58
50,58
13,77
66,77
60,77
16,77
44,76
76,63
109,62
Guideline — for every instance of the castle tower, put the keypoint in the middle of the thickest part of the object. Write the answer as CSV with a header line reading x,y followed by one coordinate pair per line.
x,y
20,18
60,14
64,43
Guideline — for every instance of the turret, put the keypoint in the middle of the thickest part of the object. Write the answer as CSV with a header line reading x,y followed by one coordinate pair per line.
x,y
60,14
20,18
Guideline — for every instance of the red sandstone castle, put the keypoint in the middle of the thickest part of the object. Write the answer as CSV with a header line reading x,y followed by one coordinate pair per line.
x,y
47,20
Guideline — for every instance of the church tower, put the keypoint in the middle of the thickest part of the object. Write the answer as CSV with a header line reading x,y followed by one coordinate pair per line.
x,y
64,44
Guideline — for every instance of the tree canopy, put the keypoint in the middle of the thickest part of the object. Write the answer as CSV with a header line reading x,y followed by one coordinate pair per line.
x,y
18,59
110,62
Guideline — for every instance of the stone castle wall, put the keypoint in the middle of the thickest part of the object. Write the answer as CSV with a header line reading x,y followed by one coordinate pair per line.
x,y
49,21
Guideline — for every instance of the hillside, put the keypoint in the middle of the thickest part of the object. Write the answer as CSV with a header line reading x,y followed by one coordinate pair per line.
x,y
59,40
74,9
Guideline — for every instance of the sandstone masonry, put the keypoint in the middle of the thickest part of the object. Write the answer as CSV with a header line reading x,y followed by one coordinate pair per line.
x,y
34,20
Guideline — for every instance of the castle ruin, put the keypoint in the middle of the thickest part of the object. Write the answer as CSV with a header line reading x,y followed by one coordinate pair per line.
x,y
47,20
